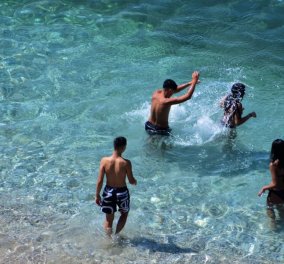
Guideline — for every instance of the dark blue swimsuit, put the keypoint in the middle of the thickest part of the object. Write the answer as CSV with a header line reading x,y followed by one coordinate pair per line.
x,y
156,130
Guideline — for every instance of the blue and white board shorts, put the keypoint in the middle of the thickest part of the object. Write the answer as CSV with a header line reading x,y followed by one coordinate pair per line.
x,y
113,197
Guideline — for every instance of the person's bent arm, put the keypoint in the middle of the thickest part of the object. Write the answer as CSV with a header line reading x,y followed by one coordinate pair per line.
x,y
100,183
266,187
188,95
240,120
273,182
129,173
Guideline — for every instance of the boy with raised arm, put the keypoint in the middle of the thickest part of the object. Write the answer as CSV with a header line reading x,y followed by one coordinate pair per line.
x,y
115,193
162,100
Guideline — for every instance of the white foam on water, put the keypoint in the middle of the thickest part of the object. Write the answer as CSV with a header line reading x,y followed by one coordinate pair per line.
x,y
178,114
139,114
191,125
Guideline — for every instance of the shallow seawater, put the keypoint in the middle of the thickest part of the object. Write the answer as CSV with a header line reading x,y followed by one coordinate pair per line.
x,y
75,74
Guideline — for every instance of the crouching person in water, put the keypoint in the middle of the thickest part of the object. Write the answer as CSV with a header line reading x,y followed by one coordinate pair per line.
x,y
115,193
233,109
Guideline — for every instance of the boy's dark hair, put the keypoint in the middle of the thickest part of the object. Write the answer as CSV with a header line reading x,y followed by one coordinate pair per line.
x,y
277,152
119,142
170,84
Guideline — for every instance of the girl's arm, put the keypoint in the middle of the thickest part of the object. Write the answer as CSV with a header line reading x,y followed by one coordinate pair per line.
x,y
273,183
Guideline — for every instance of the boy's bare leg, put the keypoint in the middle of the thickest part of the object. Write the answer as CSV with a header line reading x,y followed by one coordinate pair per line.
x,y
108,224
121,222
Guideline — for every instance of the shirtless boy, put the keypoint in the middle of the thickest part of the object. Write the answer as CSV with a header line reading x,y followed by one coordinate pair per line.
x,y
115,193
162,101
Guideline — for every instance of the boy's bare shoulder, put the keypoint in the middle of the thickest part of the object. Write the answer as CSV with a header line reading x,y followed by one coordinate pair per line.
x,y
157,93
126,160
127,163
105,160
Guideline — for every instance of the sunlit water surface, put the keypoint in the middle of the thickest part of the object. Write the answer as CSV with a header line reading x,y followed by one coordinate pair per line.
x,y
75,74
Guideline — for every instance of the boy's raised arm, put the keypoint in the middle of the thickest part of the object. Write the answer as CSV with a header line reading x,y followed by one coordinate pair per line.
x,y
187,95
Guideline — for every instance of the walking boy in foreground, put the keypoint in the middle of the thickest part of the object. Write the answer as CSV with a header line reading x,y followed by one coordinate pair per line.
x,y
115,193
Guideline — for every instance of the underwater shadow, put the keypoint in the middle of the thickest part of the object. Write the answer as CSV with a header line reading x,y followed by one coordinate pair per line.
x,y
223,156
155,246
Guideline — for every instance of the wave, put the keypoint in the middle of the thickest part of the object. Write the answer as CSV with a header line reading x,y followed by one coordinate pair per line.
x,y
190,127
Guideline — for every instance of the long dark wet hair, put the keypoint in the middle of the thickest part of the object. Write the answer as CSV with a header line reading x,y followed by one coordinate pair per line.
x,y
277,152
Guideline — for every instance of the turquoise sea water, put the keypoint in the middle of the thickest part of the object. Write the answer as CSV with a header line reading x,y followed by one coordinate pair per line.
x,y
75,74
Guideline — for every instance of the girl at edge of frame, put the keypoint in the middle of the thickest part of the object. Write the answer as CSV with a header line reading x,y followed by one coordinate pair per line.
x,y
276,186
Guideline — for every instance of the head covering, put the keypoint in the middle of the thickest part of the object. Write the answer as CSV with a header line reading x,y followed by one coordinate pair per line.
x,y
238,90
236,95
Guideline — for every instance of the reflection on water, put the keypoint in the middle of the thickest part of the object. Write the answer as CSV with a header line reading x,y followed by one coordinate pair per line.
x,y
74,74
